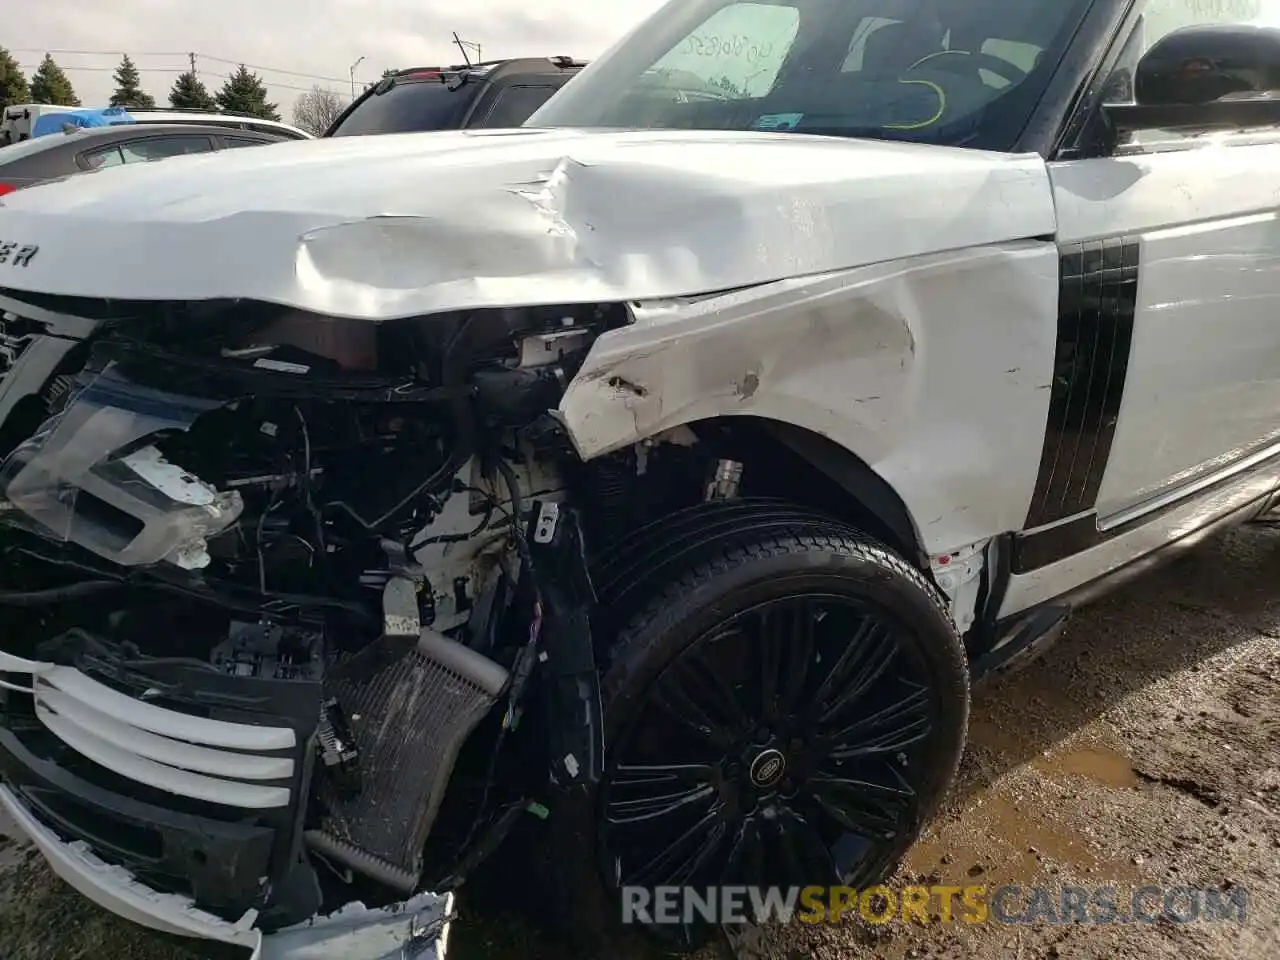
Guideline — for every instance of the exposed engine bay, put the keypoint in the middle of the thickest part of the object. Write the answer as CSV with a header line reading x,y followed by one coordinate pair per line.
x,y
365,530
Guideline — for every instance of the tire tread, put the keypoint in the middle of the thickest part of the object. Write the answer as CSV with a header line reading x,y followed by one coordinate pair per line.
x,y
801,538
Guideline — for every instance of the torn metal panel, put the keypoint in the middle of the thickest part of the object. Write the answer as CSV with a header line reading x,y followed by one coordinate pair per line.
x,y
381,227
417,929
932,370
958,573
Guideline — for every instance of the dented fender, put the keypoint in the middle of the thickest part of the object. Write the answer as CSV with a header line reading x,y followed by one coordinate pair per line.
x,y
934,370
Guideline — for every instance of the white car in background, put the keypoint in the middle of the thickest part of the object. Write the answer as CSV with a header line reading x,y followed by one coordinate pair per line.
x,y
219,118
18,120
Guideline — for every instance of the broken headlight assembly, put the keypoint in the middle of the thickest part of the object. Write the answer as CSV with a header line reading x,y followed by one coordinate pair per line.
x,y
92,477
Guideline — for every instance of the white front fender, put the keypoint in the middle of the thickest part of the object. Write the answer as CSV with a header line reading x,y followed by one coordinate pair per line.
x,y
935,371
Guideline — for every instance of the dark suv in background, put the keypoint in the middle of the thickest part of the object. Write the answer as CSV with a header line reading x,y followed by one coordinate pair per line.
x,y
498,93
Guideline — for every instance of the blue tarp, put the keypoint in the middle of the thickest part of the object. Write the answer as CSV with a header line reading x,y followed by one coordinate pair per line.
x,y
56,122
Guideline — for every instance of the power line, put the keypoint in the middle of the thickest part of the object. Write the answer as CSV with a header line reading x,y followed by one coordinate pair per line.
x,y
254,66
27,66
269,83
96,53
172,53
204,73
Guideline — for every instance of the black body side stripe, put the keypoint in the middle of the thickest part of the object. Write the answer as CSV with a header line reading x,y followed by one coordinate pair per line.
x,y
1097,297
1031,551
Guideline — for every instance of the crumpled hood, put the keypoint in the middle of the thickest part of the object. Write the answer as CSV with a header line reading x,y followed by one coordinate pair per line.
x,y
390,226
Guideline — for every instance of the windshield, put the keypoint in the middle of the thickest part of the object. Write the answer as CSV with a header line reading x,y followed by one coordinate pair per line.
x,y
959,72
409,106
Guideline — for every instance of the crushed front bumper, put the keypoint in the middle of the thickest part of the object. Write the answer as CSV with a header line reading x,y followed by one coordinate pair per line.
x,y
415,930
107,838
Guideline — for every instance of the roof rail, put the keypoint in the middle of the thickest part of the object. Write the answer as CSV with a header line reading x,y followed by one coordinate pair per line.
x,y
454,68
200,110
559,60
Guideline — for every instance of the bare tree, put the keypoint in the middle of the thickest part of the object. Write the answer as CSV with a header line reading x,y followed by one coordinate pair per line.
x,y
316,109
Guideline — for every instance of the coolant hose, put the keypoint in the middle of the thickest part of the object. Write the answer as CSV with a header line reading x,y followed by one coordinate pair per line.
x,y
72,591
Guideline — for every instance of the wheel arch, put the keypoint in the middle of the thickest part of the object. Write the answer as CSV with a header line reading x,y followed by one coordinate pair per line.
x,y
816,472
871,496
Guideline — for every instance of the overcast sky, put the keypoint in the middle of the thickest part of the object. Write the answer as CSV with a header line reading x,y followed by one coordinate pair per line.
x,y
319,37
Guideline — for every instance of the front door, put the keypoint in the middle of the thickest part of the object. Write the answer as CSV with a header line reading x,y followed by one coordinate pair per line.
x,y
1171,291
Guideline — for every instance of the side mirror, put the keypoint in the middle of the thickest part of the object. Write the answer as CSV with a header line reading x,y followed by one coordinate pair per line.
x,y
1205,77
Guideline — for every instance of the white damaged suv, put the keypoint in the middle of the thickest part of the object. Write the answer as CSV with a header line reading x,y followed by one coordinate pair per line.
x,y
652,480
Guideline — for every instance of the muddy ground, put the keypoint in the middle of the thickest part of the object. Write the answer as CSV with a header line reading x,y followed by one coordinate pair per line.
x,y
1143,749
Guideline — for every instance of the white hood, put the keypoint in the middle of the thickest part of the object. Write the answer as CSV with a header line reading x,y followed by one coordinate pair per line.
x,y
391,226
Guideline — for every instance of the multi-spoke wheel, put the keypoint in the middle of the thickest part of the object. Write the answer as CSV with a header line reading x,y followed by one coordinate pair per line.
x,y
786,714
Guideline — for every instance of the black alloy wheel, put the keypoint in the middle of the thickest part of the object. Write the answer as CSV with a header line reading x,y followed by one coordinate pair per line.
x,y
787,713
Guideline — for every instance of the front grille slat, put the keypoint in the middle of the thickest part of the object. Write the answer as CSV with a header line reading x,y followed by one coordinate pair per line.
x,y
236,765
173,753
179,726
171,779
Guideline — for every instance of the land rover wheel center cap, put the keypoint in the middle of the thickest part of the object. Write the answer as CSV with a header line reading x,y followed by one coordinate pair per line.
x,y
767,768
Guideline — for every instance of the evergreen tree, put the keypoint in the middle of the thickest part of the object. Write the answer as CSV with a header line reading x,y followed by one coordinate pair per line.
x,y
189,93
50,85
128,93
244,93
13,83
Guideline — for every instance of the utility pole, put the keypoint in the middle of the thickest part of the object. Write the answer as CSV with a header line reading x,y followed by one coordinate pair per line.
x,y
463,45
192,58
352,72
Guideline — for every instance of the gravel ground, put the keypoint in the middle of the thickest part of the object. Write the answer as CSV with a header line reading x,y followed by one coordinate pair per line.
x,y
1143,749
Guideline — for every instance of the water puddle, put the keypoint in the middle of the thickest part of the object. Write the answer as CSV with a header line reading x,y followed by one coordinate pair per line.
x,y
997,841
1107,767
1007,833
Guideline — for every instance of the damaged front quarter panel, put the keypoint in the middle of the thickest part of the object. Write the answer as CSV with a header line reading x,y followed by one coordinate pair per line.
x,y
926,369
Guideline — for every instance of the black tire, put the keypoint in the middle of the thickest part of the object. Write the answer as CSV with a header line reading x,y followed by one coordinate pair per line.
x,y
752,575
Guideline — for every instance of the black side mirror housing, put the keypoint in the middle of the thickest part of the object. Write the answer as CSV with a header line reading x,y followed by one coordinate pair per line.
x,y
1201,64
1209,76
